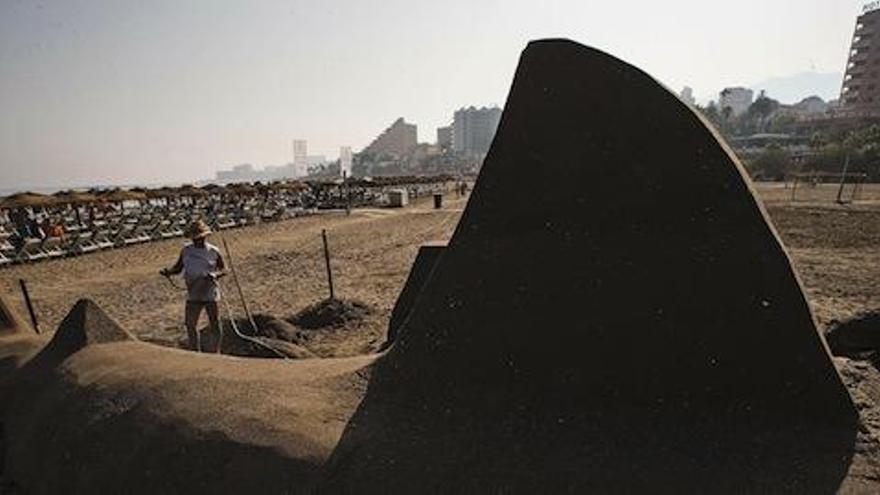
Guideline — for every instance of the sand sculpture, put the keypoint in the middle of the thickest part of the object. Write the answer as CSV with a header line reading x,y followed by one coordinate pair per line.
x,y
10,320
635,324
18,341
613,313
97,411
421,270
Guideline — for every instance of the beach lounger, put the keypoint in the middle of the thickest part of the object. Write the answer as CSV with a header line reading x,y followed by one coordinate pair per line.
x,y
103,240
52,247
224,222
165,230
127,236
153,231
84,244
31,251
145,232
4,261
6,247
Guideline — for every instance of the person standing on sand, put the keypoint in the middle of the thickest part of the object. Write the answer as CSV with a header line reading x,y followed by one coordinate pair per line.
x,y
201,265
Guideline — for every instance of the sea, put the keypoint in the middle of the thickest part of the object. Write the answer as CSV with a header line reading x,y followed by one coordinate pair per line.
x,y
6,191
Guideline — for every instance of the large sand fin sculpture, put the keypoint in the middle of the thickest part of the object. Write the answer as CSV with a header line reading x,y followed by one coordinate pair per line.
x,y
613,313
419,273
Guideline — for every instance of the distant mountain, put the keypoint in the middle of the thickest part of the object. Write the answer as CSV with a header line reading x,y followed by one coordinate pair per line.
x,y
794,88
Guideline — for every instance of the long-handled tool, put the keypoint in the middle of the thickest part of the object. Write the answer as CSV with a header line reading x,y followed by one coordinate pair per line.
x,y
247,311
238,332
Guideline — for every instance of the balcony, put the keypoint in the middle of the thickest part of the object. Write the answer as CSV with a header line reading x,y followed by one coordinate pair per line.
x,y
860,45
860,56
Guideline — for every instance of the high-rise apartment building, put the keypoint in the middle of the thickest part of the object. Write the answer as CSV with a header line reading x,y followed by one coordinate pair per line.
x,y
300,156
396,141
473,129
345,160
860,93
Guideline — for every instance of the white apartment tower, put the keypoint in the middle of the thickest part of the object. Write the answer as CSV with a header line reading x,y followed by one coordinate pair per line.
x,y
345,160
300,157
737,99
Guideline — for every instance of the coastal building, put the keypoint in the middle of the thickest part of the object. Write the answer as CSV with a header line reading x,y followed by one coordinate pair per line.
x,y
737,99
687,96
239,173
473,129
444,137
811,105
396,141
249,173
345,160
300,156
860,93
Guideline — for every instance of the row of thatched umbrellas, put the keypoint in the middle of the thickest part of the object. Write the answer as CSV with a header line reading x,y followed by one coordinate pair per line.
x,y
117,195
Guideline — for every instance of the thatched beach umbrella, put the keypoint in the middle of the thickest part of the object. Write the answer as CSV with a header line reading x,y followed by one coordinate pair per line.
x,y
214,189
25,199
161,192
191,191
292,185
241,189
118,195
73,198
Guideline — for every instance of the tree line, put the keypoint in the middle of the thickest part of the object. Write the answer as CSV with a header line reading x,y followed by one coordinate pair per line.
x,y
832,144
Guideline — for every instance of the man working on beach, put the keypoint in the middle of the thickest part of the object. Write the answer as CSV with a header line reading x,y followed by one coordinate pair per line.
x,y
201,265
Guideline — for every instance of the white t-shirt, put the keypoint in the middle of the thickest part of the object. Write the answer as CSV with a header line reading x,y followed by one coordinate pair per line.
x,y
198,263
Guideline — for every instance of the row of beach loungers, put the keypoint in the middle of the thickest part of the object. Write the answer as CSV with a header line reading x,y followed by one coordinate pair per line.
x,y
129,229
137,226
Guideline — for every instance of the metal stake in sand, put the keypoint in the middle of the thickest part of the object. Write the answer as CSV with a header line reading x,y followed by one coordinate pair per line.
x,y
327,264
247,311
30,306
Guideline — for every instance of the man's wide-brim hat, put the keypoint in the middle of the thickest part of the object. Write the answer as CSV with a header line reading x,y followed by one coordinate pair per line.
x,y
199,230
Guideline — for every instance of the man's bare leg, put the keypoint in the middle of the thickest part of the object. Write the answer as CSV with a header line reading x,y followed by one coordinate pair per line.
x,y
191,319
214,318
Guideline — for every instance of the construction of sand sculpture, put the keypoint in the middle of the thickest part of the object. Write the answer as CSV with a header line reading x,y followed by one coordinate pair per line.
x,y
614,308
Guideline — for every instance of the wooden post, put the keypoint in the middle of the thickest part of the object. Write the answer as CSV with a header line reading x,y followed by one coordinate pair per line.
x,y
30,306
347,191
327,264
842,180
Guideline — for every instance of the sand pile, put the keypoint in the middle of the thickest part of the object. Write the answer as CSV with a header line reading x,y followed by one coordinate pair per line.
x,y
613,313
856,337
268,337
331,313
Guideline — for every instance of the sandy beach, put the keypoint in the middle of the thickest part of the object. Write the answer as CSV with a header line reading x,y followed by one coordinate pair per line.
x,y
280,267
835,248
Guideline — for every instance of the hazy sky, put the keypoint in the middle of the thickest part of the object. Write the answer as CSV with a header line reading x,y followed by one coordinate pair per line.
x,y
122,91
